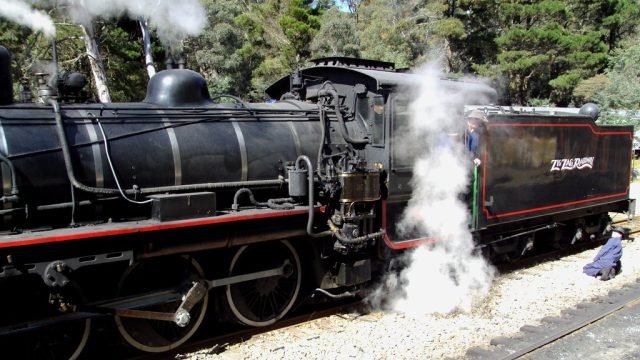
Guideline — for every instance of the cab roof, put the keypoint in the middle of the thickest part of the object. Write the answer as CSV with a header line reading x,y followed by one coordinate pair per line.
x,y
378,76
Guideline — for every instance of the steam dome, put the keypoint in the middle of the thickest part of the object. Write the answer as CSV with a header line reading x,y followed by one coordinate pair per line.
x,y
178,87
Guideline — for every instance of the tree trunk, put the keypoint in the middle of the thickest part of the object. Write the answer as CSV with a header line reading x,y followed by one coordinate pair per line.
x,y
99,76
146,39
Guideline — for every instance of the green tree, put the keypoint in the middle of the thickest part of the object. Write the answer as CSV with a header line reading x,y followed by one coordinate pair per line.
x,y
218,52
277,37
120,45
352,6
323,5
616,19
410,32
378,32
470,28
623,88
397,31
23,44
121,49
337,36
542,56
299,23
588,89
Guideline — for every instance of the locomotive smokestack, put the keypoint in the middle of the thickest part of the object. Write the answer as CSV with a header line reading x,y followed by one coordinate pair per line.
x,y
6,85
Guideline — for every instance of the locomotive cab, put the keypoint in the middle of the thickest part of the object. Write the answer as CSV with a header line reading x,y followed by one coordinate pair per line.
x,y
375,99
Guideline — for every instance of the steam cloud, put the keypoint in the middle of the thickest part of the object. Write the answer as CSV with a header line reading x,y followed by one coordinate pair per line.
x,y
449,274
22,13
173,20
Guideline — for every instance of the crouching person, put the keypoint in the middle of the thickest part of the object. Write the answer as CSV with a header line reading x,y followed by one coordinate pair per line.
x,y
607,263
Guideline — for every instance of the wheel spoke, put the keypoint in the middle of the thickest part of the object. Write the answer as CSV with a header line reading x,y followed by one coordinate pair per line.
x,y
278,292
171,273
272,302
253,300
261,302
263,305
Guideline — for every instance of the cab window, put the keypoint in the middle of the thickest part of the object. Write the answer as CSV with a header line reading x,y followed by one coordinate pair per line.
x,y
401,158
370,111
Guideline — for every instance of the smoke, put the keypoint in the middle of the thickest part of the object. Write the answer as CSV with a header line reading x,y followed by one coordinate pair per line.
x,y
22,13
173,20
448,274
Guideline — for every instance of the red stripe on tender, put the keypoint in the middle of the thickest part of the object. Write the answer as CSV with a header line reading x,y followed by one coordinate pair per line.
x,y
564,125
513,213
145,228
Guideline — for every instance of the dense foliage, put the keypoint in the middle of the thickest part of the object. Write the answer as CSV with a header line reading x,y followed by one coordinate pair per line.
x,y
536,51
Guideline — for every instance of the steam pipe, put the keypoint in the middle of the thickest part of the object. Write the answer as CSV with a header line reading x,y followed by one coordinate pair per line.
x,y
170,64
350,241
62,137
208,186
68,204
343,126
322,139
546,227
252,199
335,296
311,197
278,204
152,190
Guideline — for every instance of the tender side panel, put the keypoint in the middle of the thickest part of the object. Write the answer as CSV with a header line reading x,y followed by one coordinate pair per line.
x,y
539,166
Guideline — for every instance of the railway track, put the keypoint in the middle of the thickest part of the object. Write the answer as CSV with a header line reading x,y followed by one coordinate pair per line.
x,y
532,339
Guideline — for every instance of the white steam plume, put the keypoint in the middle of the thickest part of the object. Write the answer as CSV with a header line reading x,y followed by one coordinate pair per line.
x,y
22,13
449,274
173,20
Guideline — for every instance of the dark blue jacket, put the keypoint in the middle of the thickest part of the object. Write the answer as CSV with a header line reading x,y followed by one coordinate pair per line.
x,y
609,254
473,143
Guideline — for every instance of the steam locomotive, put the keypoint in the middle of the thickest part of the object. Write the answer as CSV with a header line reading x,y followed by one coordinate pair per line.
x,y
158,212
